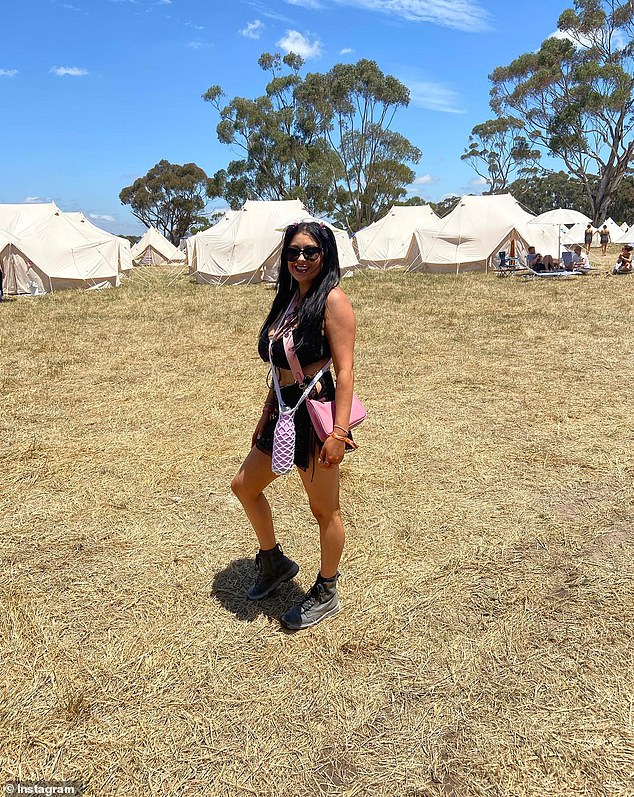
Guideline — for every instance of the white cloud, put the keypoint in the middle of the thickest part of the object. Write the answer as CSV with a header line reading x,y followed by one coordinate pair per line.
x,y
253,30
315,4
101,217
36,200
425,179
164,2
560,34
73,71
8,72
433,97
619,40
295,42
197,45
264,11
194,26
346,51
478,182
465,15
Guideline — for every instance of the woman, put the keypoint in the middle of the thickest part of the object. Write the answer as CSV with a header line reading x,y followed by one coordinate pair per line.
x,y
323,326
623,264
587,238
604,239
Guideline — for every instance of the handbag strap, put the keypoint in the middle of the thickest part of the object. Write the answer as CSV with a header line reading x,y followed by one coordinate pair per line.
x,y
292,410
293,360
289,334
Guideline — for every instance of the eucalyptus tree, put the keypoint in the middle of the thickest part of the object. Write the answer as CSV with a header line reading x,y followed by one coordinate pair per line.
x,y
283,154
170,197
498,148
575,95
353,107
324,139
549,190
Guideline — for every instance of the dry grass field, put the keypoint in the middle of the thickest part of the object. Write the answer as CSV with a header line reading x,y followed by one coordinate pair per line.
x,y
485,647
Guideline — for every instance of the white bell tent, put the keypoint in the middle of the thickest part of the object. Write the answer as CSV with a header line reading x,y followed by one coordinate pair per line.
x,y
576,234
384,244
42,250
472,235
153,249
84,224
244,246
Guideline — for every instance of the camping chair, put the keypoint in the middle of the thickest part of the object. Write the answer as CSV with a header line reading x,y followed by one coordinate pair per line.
x,y
506,265
566,259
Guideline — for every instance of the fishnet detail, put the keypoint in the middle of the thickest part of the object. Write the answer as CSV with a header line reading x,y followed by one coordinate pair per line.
x,y
283,455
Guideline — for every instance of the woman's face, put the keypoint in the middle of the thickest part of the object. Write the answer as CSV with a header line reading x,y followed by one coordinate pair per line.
x,y
308,263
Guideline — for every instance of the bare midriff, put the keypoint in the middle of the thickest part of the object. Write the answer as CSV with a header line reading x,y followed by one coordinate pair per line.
x,y
286,377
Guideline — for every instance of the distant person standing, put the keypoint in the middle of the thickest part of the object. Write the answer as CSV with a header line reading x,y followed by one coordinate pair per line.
x,y
604,238
587,238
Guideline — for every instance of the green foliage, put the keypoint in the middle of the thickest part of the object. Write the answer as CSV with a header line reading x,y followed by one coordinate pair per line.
x,y
575,96
539,193
497,148
325,140
283,157
354,106
622,206
445,206
417,201
170,197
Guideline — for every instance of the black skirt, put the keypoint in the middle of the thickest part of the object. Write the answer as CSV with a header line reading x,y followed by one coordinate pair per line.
x,y
306,441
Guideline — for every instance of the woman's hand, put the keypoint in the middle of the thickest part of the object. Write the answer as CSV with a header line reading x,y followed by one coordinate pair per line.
x,y
259,429
332,452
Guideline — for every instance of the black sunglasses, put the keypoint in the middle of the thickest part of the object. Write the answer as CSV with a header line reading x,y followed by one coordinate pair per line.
x,y
311,253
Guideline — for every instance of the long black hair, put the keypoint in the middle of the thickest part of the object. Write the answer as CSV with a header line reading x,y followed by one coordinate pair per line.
x,y
313,307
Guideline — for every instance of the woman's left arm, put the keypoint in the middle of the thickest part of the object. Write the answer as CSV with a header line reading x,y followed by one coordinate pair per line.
x,y
340,328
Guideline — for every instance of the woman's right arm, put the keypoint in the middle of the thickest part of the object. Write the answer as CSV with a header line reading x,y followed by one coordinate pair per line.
x,y
268,410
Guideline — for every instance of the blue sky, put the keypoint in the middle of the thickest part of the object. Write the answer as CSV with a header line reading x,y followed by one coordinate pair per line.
x,y
96,92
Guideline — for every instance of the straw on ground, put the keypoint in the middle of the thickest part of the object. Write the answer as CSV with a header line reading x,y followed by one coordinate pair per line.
x,y
486,643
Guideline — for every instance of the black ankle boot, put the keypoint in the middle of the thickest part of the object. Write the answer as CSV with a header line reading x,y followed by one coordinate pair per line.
x,y
320,601
272,569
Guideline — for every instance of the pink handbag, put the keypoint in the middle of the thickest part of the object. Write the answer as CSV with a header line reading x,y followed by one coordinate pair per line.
x,y
322,413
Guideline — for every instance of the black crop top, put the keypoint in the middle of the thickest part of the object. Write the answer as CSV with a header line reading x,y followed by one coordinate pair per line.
x,y
315,347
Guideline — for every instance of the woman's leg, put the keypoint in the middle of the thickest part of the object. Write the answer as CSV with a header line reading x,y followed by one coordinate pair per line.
x,y
248,484
322,599
323,495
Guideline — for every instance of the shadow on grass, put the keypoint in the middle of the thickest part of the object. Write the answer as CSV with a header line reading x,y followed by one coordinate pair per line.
x,y
230,587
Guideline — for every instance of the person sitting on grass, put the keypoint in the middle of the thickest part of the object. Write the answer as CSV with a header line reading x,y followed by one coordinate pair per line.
x,y
623,264
579,261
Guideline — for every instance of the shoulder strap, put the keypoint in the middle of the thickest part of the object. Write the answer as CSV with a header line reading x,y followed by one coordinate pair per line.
x,y
293,361
280,401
